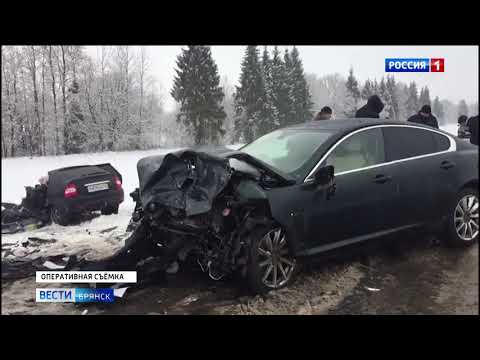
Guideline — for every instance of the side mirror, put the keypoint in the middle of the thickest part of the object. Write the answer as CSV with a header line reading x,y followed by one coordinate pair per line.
x,y
324,175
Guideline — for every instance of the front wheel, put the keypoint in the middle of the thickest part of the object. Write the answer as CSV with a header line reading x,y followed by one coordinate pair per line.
x,y
271,265
462,226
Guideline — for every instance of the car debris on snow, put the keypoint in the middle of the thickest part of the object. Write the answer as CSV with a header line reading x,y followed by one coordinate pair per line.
x,y
108,230
50,265
119,292
372,289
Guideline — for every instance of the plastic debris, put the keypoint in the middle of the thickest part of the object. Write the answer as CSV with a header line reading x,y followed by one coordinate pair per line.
x,y
371,289
119,292
52,266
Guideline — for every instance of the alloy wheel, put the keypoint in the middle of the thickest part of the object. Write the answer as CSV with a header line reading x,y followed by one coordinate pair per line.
x,y
275,262
466,217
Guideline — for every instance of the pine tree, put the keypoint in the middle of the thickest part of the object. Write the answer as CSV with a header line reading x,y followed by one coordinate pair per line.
x,y
375,87
367,90
386,98
437,109
279,90
394,111
197,89
250,98
270,122
462,108
75,131
352,95
289,81
412,99
299,89
424,98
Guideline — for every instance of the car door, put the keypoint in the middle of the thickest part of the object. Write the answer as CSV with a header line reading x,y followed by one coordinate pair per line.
x,y
415,161
363,189
444,169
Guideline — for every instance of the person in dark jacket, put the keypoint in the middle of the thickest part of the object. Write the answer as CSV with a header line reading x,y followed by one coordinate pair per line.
x,y
371,109
473,126
324,114
424,117
462,119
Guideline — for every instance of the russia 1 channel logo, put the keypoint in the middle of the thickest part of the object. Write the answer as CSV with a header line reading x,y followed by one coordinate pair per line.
x,y
415,65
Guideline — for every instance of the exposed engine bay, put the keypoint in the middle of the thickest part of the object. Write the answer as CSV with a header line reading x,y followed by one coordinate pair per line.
x,y
198,206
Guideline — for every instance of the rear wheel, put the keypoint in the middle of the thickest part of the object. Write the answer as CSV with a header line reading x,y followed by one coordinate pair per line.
x,y
271,265
110,209
462,221
60,215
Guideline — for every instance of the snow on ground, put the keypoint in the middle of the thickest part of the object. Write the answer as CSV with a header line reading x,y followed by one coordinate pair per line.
x,y
451,128
88,237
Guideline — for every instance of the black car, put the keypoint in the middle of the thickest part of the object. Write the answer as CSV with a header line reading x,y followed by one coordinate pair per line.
x,y
73,190
300,191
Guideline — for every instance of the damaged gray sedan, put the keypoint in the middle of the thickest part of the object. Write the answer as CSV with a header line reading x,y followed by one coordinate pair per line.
x,y
296,192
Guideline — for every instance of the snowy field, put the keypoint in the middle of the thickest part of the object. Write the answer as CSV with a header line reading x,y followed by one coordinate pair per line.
x,y
89,238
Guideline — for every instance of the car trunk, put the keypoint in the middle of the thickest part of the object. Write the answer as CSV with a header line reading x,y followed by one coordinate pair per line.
x,y
92,183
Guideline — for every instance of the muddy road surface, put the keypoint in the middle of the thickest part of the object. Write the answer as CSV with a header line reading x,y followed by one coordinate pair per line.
x,y
407,274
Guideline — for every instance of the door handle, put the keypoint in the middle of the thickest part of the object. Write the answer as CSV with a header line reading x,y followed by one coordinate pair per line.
x,y
382,179
447,164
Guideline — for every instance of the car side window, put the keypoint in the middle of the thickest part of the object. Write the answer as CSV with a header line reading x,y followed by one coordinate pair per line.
x,y
366,148
443,142
406,142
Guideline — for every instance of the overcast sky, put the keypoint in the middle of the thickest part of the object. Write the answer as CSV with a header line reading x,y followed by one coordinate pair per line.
x,y
459,81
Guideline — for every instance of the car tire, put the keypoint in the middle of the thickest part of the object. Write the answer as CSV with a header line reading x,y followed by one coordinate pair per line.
x,y
264,271
110,209
60,215
462,219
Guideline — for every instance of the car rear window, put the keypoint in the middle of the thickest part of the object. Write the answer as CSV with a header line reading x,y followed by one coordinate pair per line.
x,y
406,142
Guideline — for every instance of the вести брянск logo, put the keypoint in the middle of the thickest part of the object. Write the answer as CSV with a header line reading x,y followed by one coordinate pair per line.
x,y
77,295
415,65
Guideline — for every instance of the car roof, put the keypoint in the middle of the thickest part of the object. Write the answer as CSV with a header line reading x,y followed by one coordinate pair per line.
x,y
347,125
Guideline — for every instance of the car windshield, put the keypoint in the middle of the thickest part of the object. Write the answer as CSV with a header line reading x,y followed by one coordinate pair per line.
x,y
287,149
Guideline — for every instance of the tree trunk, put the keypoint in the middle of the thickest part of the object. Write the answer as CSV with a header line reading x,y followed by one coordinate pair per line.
x,y
64,102
52,73
43,103
15,99
36,129
25,127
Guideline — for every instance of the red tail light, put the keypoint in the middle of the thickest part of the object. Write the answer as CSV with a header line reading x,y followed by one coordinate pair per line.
x,y
118,183
70,191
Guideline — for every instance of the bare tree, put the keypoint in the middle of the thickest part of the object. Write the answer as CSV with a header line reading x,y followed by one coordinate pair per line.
x,y
54,94
62,68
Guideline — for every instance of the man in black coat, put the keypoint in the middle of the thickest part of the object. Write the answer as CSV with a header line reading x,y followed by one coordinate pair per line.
x,y
371,109
473,126
324,114
424,117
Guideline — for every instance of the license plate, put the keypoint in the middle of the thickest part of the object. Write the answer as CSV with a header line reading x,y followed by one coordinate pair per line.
x,y
97,187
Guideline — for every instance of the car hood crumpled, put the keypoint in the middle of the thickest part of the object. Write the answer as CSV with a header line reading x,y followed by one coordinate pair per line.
x,y
185,180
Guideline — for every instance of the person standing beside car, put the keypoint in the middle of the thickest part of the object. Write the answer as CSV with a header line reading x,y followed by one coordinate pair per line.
x,y
424,117
371,109
473,127
324,114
